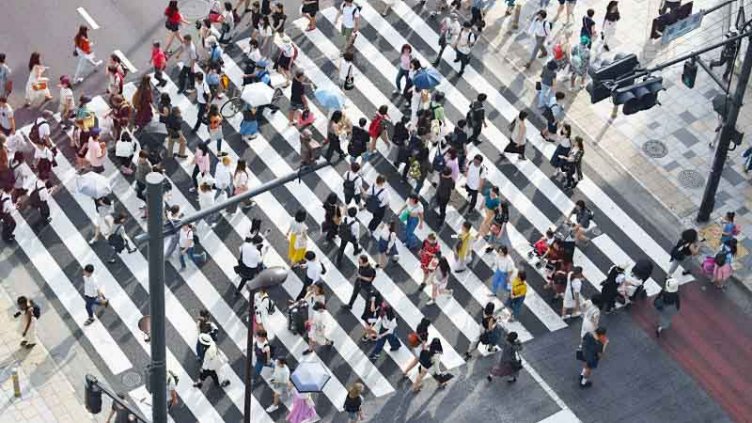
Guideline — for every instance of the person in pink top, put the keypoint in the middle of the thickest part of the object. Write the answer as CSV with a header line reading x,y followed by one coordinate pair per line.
x,y
303,409
404,68
452,162
96,151
201,164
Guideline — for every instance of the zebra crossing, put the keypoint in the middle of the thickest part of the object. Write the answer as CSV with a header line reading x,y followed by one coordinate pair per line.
x,y
58,252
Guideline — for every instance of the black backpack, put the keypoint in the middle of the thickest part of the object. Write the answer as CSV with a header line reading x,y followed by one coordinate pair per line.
x,y
438,161
34,199
36,311
344,229
372,202
34,132
349,185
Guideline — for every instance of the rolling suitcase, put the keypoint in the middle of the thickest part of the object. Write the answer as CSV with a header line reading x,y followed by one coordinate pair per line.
x,y
297,315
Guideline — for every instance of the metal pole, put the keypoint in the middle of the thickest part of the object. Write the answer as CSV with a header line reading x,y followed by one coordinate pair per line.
x,y
248,369
729,127
158,373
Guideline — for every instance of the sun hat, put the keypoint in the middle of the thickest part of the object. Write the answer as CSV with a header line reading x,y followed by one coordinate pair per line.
x,y
672,285
205,339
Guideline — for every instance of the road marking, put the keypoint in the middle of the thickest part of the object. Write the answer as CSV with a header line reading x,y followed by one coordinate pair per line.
x,y
87,17
126,62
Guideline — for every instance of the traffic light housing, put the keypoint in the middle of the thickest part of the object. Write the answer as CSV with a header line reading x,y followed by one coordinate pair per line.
x,y
93,395
620,67
640,96
689,74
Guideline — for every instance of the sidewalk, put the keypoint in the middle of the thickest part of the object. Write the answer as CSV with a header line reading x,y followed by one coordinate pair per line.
x,y
46,394
665,149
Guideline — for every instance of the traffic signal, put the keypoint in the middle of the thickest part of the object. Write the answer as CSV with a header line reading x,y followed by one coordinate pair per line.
x,y
620,67
689,74
640,96
93,395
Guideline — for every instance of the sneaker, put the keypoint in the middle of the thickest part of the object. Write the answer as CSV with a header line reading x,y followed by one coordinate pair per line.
x,y
92,241
308,351
430,302
272,408
224,383
197,385
89,321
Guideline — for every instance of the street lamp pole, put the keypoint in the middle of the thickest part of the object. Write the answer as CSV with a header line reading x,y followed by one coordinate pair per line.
x,y
249,354
727,133
158,370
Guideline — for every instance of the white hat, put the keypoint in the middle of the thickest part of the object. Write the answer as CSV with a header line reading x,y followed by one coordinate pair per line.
x,y
286,39
211,40
672,285
205,339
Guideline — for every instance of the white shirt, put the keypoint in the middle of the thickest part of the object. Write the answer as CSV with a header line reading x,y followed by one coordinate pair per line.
x,y
91,286
43,153
213,358
540,28
355,177
24,177
414,209
313,270
222,176
241,179
41,187
385,325
7,203
344,68
261,305
281,375
465,41
205,198
453,28
43,129
474,175
349,14
382,194
504,263
255,55
202,89
574,286
387,236
251,255
185,238
6,113
590,318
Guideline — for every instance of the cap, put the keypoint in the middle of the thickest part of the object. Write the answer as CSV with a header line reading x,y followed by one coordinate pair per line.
x,y
672,285
205,339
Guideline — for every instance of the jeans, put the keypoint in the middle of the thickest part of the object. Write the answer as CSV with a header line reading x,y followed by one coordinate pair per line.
x,y
91,302
394,343
411,241
539,46
401,73
378,216
499,281
196,258
200,116
516,305
343,244
544,95
259,366
171,246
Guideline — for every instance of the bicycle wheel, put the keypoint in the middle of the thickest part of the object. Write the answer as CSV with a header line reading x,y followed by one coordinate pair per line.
x,y
232,107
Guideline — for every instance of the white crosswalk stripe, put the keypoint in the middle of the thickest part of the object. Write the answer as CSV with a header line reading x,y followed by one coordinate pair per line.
x,y
120,344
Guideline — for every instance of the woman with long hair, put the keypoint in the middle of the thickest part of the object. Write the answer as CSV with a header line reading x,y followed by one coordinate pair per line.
x,y
142,101
37,86
84,52
173,20
298,238
240,182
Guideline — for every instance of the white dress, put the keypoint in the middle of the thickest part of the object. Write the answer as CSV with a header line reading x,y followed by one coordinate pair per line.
x,y
34,94
31,334
318,328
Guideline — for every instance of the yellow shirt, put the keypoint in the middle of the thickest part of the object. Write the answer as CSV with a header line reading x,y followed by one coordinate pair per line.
x,y
519,287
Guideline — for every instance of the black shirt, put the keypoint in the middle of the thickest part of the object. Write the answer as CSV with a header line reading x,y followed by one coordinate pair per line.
x,y
266,7
587,27
366,274
352,405
446,185
297,91
278,19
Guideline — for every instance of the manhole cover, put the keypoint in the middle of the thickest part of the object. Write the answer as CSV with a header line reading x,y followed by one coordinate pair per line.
x,y
131,379
655,149
691,179
193,10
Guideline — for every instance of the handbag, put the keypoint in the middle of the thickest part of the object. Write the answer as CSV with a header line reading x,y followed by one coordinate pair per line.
x,y
538,86
349,80
579,355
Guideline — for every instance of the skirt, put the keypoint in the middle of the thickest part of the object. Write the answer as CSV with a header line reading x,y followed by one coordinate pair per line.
x,y
293,254
249,127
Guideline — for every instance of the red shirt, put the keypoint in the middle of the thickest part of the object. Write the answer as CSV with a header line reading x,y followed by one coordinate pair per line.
x,y
158,58
173,16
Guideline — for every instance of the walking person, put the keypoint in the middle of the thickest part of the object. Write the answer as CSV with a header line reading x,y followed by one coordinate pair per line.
x,y
143,103
215,126
317,329
540,29
429,254
314,269
430,361
350,14
297,236
158,60
463,248
475,177
509,363
582,218
591,315
37,86
444,191
214,360
67,103
262,350
332,217
685,248
579,62
572,164
240,181
186,243
93,293
264,308
563,146
412,215
463,45
363,280
377,202
729,229
349,233
449,29
667,303
387,238
553,112
39,197
440,280
588,27
572,304
332,136
476,118
118,239
85,53
352,186
280,383
186,77
593,348
503,267
517,294
7,207
29,313
173,20
724,258
223,179
303,409
6,84
205,328
250,262
385,327
403,71
608,32
354,403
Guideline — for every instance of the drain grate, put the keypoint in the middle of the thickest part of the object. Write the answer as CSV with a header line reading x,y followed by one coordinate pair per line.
x,y
193,10
131,379
690,178
655,149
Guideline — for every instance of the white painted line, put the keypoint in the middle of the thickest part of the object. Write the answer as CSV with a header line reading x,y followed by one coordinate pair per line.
x,y
564,415
126,62
87,17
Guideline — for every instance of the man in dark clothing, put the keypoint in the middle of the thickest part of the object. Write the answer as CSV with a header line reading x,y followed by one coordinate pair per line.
x,y
458,140
348,233
363,281
358,140
476,117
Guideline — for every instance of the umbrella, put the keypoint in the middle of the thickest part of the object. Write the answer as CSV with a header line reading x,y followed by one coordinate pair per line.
x,y
310,376
426,79
257,94
330,98
93,185
642,269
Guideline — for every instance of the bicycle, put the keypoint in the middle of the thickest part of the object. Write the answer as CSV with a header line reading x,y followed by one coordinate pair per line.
x,y
235,105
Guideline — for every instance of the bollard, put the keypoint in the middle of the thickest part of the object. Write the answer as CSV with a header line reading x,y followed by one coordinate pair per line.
x,y
16,383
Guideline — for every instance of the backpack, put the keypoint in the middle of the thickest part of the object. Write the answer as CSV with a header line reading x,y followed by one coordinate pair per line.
x,y
34,199
36,311
720,258
260,353
438,161
349,185
372,202
34,132
174,377
345,232
3,215
272,307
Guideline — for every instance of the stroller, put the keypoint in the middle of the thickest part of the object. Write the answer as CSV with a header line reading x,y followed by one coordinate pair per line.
x,y
633,289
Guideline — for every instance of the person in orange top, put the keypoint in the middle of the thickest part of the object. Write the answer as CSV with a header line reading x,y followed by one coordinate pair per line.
x,y
159,61
84,52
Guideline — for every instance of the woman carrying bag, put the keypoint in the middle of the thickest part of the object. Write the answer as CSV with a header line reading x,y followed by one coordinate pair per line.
x,y
518,136
509,363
